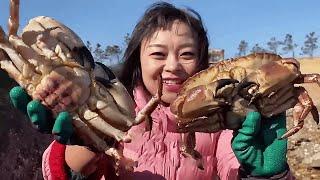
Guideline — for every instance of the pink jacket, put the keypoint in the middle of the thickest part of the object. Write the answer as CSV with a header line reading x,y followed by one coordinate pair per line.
x,y
158,155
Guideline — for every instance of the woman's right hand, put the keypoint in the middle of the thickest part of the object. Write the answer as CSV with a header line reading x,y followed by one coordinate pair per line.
x,y
40,116
81,160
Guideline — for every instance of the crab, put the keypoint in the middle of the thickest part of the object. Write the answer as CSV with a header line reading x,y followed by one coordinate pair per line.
x,y
53,65
220,97
263,79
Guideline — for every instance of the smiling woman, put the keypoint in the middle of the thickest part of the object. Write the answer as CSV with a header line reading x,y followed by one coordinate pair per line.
x,y
172,53
171,42
168,40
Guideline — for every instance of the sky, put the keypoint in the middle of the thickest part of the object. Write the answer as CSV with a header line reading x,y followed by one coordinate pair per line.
x,y
227,21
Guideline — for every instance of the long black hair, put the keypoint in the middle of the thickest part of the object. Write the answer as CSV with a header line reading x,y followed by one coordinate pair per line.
x,y
160,16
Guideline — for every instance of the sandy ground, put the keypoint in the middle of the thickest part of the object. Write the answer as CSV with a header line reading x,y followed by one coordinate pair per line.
x,y
304,147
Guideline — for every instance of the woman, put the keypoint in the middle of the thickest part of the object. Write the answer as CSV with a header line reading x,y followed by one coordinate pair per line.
x,y
171,42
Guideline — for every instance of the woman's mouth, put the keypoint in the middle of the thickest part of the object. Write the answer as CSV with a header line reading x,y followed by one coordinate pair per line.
x,y
172,85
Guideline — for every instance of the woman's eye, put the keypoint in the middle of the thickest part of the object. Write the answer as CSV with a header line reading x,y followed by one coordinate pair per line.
x,y
187,55
158,55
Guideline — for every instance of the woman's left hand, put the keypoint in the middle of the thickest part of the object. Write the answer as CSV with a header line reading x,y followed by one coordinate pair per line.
x,y
258,147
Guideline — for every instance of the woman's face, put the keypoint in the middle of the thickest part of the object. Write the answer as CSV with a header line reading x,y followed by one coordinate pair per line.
x,y
173,53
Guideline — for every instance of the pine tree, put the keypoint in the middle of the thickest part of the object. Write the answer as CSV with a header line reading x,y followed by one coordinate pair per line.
x,y
288,44
243,46
257,49
98,53
273,45
310,44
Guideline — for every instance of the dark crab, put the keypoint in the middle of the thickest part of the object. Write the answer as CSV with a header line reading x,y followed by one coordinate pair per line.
x,y
264,80
219,97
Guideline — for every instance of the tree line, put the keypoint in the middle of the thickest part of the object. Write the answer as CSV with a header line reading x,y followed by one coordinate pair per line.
x,y
112,54
282,47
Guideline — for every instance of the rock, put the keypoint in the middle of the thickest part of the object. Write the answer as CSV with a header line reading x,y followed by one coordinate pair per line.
x,y
21,146
313,161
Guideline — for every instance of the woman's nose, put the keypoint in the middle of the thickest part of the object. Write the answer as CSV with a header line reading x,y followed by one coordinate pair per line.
x,y
172,64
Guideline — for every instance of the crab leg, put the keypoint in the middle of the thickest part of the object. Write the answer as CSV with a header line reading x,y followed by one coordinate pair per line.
x,y
94,120
3,37
60,51
122,107
151,105
106,106
308,78
7,65
13,23
119,120
188,148
18,68
301,110
30,56
83,129
98,108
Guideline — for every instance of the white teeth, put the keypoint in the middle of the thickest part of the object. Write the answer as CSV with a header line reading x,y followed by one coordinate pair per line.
x,y
171,82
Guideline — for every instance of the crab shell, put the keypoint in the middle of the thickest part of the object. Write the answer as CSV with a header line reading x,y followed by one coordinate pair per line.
x,y
273,70
270,71
221,96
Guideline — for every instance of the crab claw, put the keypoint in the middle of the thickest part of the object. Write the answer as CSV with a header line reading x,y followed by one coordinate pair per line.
x,y
308,78
277,102
301,110
123,113
248,90
187,149
204,99
212,123
202,108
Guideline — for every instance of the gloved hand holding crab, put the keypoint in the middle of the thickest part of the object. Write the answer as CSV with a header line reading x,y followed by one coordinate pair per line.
x,y
249,95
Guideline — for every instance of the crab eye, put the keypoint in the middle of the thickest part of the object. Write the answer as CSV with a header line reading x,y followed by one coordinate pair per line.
x,y
105,82
104,74
225,82
83,56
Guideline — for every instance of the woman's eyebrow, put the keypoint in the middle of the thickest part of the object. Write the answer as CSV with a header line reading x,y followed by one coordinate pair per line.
x,y
157,45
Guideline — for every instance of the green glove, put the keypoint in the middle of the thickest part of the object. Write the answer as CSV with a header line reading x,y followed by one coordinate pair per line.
x,y
258,147
40,116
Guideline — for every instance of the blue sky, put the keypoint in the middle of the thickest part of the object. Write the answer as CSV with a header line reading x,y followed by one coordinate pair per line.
x,y
227,21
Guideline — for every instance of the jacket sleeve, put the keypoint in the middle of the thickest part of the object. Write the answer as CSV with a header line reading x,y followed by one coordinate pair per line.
x,y
54,165
227,163
53,162
228,166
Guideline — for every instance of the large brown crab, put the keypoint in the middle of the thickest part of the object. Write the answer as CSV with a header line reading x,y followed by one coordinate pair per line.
x,y
220,97
53,65
263,79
